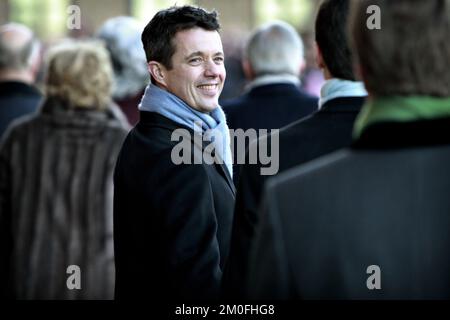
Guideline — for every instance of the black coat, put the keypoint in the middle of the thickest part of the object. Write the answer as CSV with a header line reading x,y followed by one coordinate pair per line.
x,y
326,131
385,203
16,99
172,223
267,107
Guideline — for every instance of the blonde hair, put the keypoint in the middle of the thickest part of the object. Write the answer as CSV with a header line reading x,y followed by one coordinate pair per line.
x,y
80,73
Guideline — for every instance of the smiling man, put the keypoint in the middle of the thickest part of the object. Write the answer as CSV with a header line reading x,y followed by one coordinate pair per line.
x,y
172,223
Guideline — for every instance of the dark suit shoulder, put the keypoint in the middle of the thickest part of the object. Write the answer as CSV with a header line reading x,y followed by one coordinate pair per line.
x,y
397,215
336,118
151,145
269,106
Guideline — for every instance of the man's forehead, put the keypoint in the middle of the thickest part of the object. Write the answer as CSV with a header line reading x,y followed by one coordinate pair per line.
x,y
198,40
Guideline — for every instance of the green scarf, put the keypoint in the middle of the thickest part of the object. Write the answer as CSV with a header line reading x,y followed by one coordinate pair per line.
x,y
400,109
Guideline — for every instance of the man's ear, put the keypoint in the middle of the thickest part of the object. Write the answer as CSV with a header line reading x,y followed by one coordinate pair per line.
x,y
319,58
158,72
322,65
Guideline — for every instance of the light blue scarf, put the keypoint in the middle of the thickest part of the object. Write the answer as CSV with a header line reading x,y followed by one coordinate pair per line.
x,y
213,125
338,88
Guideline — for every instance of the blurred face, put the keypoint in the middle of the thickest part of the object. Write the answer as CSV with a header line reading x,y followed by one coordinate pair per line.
x,y
198,72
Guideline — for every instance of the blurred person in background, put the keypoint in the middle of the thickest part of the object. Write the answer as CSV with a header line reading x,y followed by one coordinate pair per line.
x,y
272,63
372,221
122,36
19,64
56,191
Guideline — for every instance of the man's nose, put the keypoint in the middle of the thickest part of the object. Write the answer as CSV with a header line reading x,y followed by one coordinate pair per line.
x,y
212,69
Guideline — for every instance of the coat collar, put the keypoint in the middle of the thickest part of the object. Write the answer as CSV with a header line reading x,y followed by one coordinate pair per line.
x,y
343,104
16,87
398,135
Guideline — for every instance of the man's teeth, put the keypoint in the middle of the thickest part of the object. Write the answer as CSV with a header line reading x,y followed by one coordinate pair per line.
x,y
208,86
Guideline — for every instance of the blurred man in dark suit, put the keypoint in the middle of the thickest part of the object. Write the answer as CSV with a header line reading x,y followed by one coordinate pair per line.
x,y
19,64
273,62
323,132
372,222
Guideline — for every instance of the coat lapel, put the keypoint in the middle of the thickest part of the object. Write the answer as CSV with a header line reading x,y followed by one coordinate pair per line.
x,y
219,163
224,172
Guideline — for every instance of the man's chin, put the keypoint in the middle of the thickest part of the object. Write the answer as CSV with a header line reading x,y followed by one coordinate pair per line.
x,y
208,107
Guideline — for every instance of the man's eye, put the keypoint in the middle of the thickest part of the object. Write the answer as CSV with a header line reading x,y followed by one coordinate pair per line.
x,y
219,59
195,60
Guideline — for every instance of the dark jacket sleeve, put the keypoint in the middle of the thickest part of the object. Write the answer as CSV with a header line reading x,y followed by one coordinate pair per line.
x,y
191,226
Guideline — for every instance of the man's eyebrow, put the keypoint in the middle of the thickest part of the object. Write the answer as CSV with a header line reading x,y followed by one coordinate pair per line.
x,y
200,53
194,54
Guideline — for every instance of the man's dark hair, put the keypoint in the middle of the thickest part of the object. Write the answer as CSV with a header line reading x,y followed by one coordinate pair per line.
x,y
331,37
409,55
158,35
